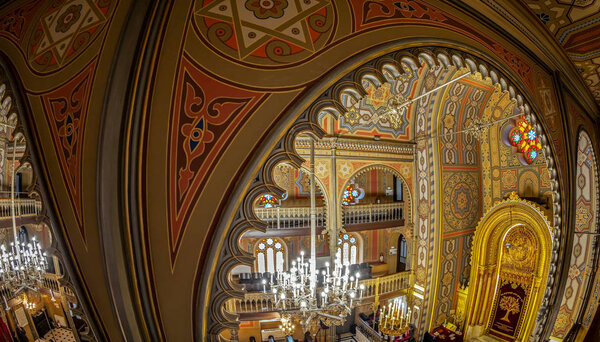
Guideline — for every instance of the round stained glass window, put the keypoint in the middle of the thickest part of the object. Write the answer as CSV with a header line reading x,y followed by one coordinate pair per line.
x,y
352,239
278,245
345,236
261,246
269,242
531,134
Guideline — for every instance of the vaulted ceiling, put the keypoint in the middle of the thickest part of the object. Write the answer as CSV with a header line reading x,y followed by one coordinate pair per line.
x,y
151,119
576,26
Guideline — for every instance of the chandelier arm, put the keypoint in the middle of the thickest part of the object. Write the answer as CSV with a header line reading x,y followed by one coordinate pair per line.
x,y
434,90
467,129
12,198
7,125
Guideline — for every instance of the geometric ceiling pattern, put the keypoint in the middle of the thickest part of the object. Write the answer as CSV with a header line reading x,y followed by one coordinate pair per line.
x,y
576,26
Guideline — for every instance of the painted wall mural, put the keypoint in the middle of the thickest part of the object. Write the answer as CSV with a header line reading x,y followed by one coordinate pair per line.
x,y
270,38
576,26
66,111
358,120
202,117
581,270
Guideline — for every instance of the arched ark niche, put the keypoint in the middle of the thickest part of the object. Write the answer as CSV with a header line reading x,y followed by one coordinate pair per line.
x,y
214,289
584,256
510,259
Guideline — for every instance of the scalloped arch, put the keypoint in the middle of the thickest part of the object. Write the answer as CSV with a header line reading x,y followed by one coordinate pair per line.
x,y
329,101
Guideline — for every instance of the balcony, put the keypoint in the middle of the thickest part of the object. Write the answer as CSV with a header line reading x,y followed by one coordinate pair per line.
x,y
375,288
26,209
373,216
288,221
296,220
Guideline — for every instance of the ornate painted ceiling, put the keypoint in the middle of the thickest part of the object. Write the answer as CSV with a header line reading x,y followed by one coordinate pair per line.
x,y
576,26
145,187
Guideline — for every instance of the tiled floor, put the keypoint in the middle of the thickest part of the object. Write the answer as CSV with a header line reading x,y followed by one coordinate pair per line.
x,y
58,335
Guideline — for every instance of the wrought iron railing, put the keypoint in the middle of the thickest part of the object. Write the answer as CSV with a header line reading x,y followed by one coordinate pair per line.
x,y
372,213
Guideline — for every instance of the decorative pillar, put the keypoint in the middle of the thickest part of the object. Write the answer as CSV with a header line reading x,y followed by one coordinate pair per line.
x,y
313,213
66,309
334,210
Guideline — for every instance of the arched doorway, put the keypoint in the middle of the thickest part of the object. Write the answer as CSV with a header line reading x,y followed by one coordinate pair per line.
x,y
510,261
402,249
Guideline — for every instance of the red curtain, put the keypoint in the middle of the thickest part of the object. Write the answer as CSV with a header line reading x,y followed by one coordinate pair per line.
x,y
4,332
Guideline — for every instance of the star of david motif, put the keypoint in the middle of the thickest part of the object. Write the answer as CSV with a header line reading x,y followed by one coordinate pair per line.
x,y
256,22
63,28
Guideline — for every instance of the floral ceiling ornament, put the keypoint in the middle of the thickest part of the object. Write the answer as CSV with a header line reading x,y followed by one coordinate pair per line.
x,y
68,18
264,9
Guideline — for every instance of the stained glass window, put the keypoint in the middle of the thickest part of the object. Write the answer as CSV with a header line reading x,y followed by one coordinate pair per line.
x,y
270,255
268,201
347,250
524,137
352,194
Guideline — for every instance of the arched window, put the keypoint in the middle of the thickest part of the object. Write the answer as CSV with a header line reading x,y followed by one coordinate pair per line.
x,y
347,250
23,235
268,201
270,256
401,264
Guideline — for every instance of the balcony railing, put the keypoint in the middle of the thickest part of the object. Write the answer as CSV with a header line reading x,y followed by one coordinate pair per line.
x,y
23,207
50,282
372,213
290,218
375,287
367,331
299,217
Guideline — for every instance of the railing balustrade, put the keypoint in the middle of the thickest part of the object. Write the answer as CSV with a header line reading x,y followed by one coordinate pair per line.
x,y
367,331
290,218
375,287
299,217
23,207
50,282
372,213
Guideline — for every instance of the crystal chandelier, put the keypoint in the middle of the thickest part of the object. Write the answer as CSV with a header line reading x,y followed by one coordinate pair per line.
x,y
286,327
23,266
394,319
304,293
307,294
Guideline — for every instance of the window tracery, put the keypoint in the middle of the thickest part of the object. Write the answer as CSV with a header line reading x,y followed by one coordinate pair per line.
x,y
268,201
347,250
269,254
